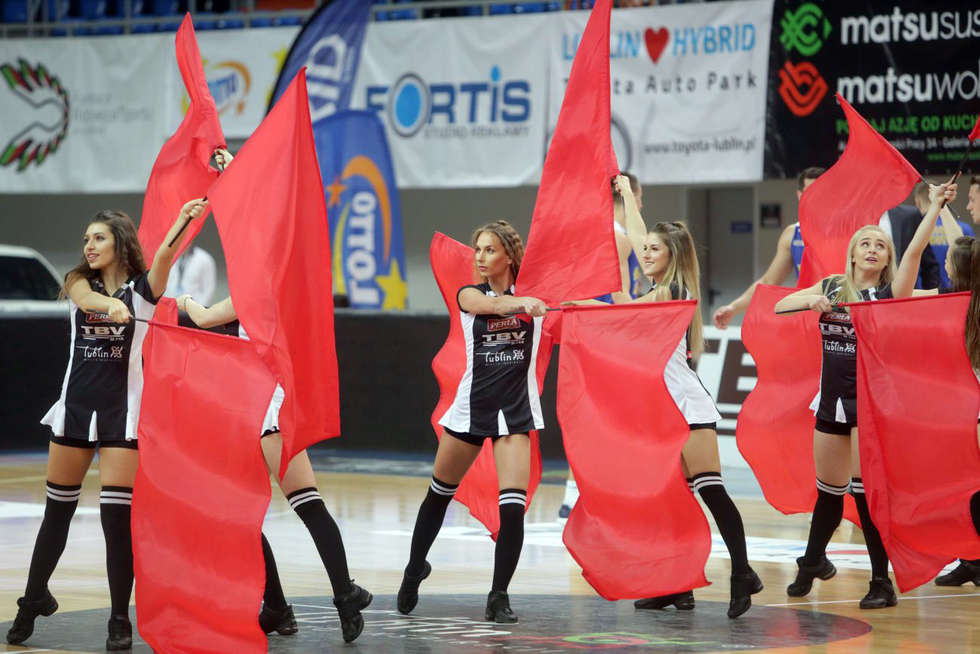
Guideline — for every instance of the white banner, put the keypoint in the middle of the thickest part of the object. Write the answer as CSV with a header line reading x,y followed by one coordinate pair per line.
x,y
463,100
688,88
82,115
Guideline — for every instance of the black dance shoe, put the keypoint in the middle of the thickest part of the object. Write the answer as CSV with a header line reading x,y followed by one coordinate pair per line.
x,y
498,608
408,592
744,586
27,611
120,633
281,621
349,607
680,601
823,569
964,572
880,595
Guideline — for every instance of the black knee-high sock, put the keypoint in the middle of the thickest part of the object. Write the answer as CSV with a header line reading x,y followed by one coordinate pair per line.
x,y
313,512
876,550
115,504
712,490
975,511
428,523
510,538
273,596
827,513
51,537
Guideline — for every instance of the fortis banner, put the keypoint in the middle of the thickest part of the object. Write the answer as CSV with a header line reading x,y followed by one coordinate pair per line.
x,y
688,88
911,68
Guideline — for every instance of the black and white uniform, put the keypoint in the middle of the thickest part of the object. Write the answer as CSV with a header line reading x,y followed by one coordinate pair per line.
x,y
498,394
270,424
100,396
837,400
683,383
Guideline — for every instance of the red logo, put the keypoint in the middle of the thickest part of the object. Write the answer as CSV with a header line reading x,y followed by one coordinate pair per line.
x,y
496,324
801,87
656,42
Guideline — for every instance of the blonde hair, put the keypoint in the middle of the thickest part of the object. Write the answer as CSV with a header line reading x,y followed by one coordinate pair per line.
x,y
509,238
848,290
684,271
964,260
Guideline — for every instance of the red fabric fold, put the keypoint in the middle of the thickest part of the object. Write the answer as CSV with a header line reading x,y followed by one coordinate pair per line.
x,y
637,530
201,493
181,172
975,132
775,424
272,217
571,250
869,178
452,266
918,402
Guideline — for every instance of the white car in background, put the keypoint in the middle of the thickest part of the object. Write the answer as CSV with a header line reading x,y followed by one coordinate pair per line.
x,y
29,285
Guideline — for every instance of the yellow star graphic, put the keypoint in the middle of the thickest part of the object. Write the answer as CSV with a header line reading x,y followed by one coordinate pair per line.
x,y
335,190
394,287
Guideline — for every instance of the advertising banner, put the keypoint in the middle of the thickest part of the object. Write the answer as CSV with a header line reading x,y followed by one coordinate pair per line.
x,y
912,69
83,115
688,88
463,101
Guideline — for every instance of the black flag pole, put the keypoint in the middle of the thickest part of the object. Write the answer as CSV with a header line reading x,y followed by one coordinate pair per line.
x,y
205,199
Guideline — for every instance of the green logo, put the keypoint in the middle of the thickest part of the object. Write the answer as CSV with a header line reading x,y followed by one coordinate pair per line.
x,y
806,29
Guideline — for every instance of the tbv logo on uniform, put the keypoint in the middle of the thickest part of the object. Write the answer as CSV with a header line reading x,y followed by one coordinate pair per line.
x,y
505,338
838,330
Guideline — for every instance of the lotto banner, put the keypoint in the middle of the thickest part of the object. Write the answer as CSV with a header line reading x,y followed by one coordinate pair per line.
x,y
688,88
83,115
462,100
883,58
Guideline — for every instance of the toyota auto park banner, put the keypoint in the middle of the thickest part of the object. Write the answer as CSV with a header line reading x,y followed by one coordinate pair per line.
x,y
82,115
463,100
912,69
688,88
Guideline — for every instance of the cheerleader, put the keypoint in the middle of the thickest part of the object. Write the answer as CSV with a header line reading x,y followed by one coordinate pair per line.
x,y
497,398
98,409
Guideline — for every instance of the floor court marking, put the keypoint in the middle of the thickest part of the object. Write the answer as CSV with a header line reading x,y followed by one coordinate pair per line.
x,y
901,597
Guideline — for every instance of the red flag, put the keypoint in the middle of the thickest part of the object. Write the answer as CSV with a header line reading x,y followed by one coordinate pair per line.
x,y
201,493
571,250
975,132
271,215
775,424
452,266
918,402
637,530
868,179
181,171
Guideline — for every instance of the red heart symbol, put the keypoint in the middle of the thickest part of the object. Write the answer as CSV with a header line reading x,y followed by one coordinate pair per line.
x,y
656,42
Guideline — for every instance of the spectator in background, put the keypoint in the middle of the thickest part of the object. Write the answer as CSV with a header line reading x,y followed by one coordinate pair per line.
x,y
194,274
900,224
973,199
938,243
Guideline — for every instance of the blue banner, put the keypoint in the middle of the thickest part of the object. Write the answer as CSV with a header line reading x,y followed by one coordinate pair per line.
x,y
329,45
363,210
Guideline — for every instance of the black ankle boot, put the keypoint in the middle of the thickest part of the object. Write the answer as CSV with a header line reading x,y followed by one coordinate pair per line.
x,y
744,586
408,592
27,611
281,621
498,608
120,633
349,607
823,569
961,574
681,601
881,594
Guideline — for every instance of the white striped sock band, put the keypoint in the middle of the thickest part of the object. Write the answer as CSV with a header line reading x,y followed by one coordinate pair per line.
x,y
832,490
512,496
60,493
116,496
709,479
857,486
303,496
441,488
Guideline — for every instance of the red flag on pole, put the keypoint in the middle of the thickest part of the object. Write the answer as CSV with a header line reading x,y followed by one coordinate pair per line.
x,y
452,266
271,215
868,179
637,530
201,493
975,132
181,172
775,424
918,402
571,250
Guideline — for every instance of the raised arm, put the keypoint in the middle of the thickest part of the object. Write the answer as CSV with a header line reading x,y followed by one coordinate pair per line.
x,y
219,313
164,257
779,269
636,229
81,293
473,301
908,269
807,298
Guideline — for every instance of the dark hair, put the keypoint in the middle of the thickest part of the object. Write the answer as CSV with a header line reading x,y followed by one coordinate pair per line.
x,y
964,265
975,180
509,238
812,172
921,193
128,251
